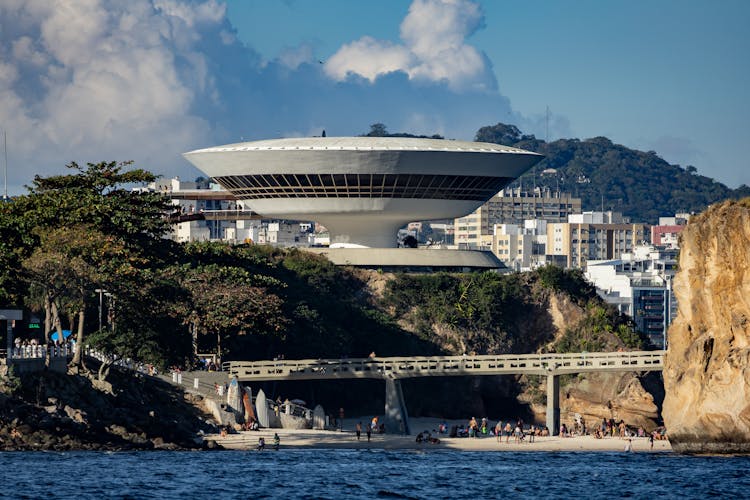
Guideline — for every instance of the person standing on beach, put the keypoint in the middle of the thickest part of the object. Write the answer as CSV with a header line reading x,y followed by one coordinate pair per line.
x,y
359,430
499,430
629,446
508,432
369,433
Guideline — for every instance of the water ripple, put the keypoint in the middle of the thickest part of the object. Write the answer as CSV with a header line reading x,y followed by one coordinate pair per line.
x,y
354,474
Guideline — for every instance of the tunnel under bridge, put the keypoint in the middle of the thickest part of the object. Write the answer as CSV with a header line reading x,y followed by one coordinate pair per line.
x,y
393,369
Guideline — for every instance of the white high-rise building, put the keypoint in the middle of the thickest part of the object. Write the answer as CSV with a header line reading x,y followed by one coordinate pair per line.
x,y
640,285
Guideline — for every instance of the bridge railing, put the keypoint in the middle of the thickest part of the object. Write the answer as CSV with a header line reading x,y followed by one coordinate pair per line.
x,y
421,366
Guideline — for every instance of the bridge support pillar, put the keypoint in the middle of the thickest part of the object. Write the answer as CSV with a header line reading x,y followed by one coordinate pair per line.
x,y
396,417
553,404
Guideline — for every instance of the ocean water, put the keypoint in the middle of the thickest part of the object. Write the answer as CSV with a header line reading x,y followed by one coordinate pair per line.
x,y
353,474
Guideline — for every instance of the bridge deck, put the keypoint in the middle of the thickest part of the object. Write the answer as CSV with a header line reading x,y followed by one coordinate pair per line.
x,y
443,366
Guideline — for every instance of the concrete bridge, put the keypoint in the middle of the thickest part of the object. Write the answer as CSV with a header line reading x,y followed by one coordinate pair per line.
x,y
393,369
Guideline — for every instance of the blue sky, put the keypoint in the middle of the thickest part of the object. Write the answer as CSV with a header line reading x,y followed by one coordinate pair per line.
x,y
671,76
149,79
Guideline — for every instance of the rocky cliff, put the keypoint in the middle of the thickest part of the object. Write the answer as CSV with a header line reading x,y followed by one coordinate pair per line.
x,y
707,367
52,411
618,396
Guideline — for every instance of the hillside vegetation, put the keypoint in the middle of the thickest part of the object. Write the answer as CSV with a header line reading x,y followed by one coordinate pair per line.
x,y
74,235
639,184
489,313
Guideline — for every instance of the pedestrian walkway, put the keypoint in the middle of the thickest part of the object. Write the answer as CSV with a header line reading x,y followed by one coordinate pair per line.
x,y
200,382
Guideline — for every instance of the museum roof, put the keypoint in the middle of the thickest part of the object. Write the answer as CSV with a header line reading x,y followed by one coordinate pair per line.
x,y
364,144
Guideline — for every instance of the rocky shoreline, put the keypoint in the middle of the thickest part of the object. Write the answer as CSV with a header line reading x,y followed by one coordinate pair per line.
x,y
61,412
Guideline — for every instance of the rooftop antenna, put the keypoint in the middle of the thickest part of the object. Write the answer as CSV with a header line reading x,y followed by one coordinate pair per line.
x,y
546,121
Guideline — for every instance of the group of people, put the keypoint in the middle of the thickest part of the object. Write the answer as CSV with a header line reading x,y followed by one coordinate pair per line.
x,y
221,389
358,431
276,442
372,428
251,424
426,437
518,431
31,348
208,364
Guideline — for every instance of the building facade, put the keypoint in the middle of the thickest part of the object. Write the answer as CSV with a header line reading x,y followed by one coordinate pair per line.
x,y
514,206
521,247
667,232
639,284
593,236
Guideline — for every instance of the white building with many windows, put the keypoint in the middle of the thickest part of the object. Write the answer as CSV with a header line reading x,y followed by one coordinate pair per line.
x,y
639,283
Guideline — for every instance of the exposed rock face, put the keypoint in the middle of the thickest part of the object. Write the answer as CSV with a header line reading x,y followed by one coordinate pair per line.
x,y
609,395
50,411
707,367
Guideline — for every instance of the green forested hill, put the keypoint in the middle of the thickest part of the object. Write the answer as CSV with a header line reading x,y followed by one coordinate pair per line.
x,y
639,184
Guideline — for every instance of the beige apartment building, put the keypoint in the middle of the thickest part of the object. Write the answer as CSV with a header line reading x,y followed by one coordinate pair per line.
x,y
512,207
580,241
584,237
521,247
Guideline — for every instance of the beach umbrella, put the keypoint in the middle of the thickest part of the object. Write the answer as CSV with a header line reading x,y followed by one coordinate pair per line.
x,y
55,335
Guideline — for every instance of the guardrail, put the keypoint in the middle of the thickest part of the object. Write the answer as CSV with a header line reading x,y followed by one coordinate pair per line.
x,y
40,351
440,366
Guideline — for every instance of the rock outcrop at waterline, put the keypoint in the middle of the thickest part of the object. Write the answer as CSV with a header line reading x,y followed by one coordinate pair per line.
x,y
52,411
617,396
707,366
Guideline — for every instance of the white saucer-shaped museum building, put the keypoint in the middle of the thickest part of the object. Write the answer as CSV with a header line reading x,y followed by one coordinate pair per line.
x,y
363,189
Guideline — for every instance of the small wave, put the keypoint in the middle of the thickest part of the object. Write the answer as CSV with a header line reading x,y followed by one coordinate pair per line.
x,y
393,494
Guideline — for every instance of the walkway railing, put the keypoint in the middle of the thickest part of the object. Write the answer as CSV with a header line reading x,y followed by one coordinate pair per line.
x,y
40,351
441,366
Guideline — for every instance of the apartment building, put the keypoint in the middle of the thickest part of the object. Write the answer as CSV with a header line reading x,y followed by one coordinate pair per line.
x,y
593,236
521,247
639,284
512,206
667,232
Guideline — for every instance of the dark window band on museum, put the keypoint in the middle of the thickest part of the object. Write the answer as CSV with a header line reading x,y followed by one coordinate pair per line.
x,y
442,187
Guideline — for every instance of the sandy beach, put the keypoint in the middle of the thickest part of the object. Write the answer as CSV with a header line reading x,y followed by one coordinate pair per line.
x,y
347,439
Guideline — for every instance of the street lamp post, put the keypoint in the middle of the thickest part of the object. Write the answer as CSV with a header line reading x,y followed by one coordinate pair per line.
x,y
5,177
101,293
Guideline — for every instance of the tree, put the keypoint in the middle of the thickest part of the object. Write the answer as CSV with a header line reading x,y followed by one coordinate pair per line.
x,y
67,266
507,135
377,130
223,300
72,234
95,196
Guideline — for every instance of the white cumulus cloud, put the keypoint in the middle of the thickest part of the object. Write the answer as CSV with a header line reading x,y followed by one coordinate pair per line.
x,y
434,48
146,80
92,80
